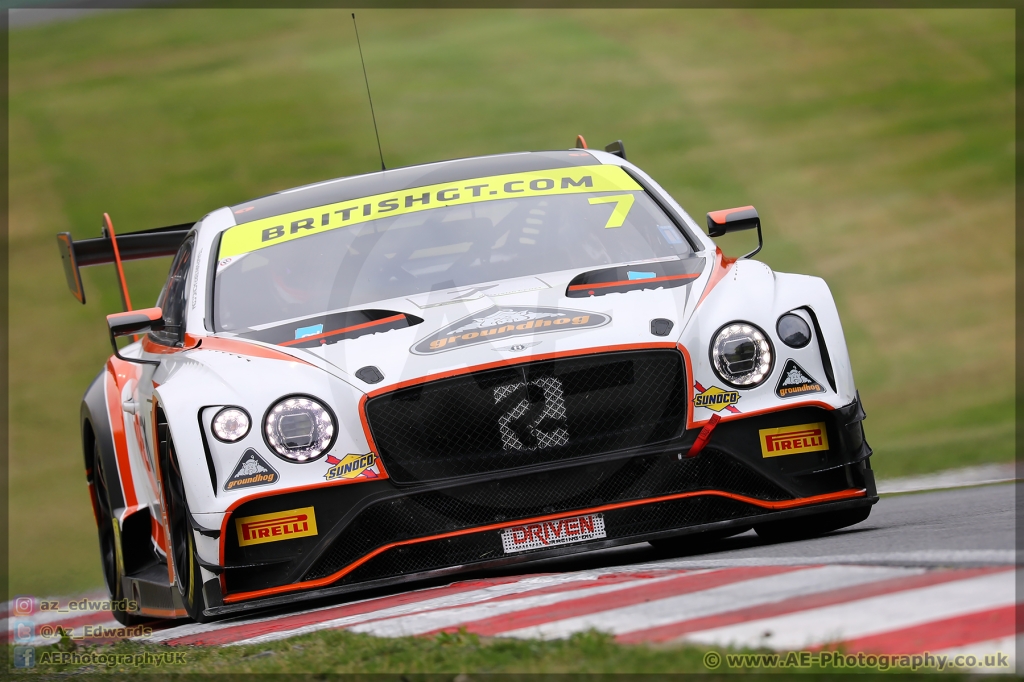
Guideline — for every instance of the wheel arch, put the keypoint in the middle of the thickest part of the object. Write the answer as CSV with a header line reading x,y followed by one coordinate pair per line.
x,y
96,435
177,418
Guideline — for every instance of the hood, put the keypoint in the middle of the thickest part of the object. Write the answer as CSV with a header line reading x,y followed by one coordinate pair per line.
x,y
402,339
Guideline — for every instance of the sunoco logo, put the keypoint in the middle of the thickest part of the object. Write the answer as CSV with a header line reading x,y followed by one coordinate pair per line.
x,y
716,399
350,466
495,324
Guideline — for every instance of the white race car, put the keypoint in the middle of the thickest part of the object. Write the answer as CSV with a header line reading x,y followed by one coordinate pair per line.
x,y
454,366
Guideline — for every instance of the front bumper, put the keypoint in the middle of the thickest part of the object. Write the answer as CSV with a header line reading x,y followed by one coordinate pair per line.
x,y
379,533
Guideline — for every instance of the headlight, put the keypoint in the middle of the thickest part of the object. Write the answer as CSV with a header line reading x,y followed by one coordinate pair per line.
x,y
793,330
299,428
741,355
230,424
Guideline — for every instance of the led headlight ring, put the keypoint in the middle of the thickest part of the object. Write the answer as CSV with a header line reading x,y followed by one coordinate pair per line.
x,y
741,354
299,428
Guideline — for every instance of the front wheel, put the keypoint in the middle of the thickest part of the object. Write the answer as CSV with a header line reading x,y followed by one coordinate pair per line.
x,y
188,578
811,526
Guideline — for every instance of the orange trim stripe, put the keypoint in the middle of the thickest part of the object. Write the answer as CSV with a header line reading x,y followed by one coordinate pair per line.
x,y
624,282
719,217
393,318
689,385
124,468
157,533
720,268
152,314
236,346
366,428
778,408
765,504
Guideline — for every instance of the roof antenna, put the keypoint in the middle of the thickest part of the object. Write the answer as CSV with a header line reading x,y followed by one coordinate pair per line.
x,y
372,115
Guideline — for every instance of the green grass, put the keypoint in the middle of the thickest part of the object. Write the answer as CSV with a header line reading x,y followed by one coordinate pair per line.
x,y
338,651
877,146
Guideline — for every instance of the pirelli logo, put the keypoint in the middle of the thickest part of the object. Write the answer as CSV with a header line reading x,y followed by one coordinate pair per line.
x,y
792,440
286,525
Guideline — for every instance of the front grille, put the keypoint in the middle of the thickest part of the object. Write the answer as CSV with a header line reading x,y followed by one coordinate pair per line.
x,y
527,414
537,494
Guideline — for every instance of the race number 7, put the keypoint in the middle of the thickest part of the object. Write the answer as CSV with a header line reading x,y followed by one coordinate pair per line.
x,y
623,202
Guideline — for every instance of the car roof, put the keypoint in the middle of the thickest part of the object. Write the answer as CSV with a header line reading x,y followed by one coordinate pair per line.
x,y
357,186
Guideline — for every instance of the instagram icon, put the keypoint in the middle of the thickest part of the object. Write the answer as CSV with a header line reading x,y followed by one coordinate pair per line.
x,y
24,606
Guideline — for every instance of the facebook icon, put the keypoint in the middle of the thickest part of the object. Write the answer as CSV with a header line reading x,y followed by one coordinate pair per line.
x,y
24,657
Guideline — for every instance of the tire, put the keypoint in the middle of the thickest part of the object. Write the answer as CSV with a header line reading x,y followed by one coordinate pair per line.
x,y
811,526
696,541
110,552
188,578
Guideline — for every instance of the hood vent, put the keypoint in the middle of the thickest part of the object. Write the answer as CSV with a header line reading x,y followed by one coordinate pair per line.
x,y
324,330
657,275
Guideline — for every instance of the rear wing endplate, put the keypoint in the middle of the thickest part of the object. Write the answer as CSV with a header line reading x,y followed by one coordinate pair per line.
x,y
155,243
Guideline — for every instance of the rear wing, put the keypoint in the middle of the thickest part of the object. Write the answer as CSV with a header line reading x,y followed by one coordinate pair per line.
x,y
110,248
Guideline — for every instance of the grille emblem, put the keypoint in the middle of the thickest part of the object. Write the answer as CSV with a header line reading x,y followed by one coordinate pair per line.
x,y
534,414
516,347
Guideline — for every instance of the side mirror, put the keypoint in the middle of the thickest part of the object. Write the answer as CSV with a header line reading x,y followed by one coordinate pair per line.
x,y
616,148
735,220
134,322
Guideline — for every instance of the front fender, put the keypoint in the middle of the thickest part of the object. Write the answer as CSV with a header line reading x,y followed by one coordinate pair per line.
x,y
198,383
750,291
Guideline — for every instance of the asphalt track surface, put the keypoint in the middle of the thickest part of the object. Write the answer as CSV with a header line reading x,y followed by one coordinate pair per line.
x,y
931,571
959,527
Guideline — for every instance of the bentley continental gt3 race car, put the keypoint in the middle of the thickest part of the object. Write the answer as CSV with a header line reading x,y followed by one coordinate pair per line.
x,y
453,366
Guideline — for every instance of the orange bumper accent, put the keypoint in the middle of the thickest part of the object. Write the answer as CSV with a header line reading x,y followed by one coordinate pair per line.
x,y
764,504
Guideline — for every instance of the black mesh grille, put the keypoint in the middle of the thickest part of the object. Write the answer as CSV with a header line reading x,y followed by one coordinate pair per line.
x,y
527,414
550,492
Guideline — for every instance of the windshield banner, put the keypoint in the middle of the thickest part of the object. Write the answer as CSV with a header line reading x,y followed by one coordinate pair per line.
x,y
260,234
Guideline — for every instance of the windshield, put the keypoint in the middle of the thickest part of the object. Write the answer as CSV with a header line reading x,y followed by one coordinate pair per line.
x,y
434,238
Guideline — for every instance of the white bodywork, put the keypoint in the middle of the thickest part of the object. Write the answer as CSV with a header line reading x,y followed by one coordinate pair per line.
x,y
200,381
